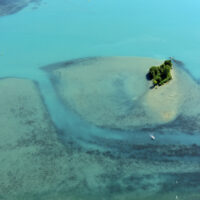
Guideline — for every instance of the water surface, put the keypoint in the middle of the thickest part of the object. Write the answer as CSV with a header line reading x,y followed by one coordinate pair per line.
x,y
64,30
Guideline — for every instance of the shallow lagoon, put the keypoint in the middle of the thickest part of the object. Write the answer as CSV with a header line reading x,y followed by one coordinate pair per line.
x,y
106,169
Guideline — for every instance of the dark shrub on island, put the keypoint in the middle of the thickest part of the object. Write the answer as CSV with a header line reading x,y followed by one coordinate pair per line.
x,y
160,74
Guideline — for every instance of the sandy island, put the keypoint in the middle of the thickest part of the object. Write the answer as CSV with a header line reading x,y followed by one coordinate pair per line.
x,y
113,92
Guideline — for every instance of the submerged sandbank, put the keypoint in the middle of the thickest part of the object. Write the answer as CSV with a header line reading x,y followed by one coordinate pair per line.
x,y
26,140
112,92
34,164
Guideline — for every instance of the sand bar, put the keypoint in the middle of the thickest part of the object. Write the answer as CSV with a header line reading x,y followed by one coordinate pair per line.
x,y
113,92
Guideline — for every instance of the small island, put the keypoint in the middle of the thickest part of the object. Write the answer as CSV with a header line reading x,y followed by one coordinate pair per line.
x,y
160,74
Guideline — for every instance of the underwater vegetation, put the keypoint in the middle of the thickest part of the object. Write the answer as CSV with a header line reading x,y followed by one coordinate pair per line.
x,y
84,161
9,7
161,74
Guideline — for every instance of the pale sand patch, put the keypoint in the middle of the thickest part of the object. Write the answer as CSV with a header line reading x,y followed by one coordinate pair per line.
x,y
164,101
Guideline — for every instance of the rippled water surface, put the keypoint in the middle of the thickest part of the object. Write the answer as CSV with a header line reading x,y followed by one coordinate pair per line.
x,y
49,150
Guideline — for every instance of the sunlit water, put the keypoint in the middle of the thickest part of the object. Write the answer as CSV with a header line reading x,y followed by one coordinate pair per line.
x,y
64,30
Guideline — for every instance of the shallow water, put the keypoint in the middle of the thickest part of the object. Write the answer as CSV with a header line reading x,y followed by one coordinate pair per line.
x,y
64,30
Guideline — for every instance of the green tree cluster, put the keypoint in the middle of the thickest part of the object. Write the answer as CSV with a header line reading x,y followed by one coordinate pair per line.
x,y
161,74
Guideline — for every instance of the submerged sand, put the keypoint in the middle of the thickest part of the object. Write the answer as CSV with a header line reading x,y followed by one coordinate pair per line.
x,y
27,137
36,165
113,92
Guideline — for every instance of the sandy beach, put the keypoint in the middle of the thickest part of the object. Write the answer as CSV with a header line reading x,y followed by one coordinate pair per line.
x,y
165,101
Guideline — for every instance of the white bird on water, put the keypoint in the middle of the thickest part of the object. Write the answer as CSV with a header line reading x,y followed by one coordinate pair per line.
x,y
152,137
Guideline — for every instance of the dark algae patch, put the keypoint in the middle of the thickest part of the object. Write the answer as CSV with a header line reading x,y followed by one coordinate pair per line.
x,y
160,74
9,7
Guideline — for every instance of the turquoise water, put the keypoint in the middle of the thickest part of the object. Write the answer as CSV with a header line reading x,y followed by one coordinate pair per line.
x,y
65,29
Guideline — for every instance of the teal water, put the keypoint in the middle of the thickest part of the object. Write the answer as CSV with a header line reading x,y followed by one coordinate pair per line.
x,y
64,30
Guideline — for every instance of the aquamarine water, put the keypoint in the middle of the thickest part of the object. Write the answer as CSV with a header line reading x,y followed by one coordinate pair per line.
x,y
63,30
